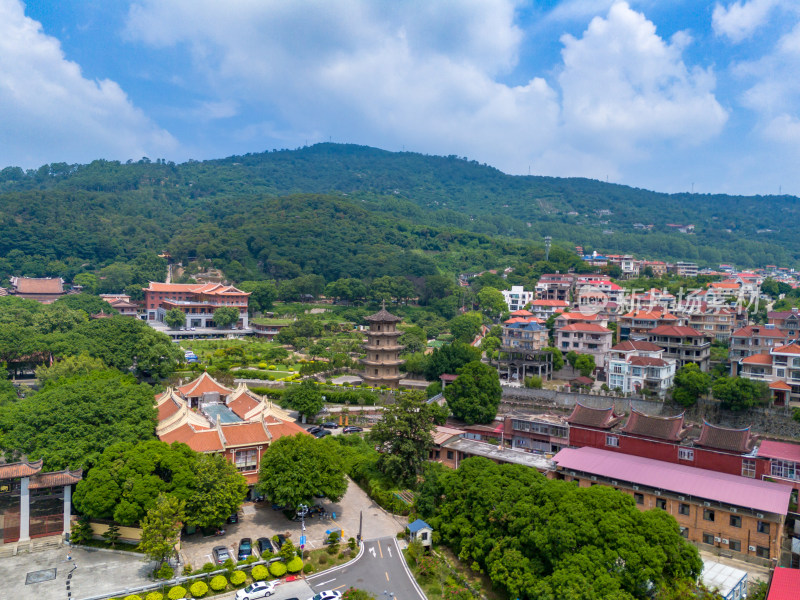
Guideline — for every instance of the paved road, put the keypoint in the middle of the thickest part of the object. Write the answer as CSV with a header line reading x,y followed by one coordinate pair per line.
x,y
379,568
286,591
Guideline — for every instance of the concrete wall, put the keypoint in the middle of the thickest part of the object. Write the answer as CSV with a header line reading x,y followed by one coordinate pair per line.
x,y
131,535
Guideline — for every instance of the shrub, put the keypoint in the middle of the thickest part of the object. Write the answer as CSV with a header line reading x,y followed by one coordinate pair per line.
x,y
229,564
187,569
177,593
295,565
165,572
208,567
133,597
218,583
323,560
238,578
198,589
259,573
154,596
308,568
278,569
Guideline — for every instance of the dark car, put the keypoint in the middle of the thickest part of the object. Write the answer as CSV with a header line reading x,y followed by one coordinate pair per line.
x,y
264,545
220,554
352,429
314,429
281,540
321,434
234,518
330,425
245,548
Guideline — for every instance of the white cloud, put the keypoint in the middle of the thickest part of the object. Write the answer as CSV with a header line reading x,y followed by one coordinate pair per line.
x,y
51,112
738,21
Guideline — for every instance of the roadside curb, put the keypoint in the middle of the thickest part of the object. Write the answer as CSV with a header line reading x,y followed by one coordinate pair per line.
x,y
337,567
408,571
109,550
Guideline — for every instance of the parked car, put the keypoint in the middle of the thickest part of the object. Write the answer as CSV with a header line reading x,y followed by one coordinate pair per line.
x,y
352,429
281,540
322,433
327,595
220,554
277,506
234,518
330,425
264,545
245,548
314,429
259,589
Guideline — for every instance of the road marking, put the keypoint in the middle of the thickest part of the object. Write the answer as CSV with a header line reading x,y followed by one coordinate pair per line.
x,y
389,550
341,586
387,575
379,549
372,551
324,582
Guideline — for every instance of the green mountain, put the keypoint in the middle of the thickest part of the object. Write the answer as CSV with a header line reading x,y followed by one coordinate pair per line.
x,y
345,210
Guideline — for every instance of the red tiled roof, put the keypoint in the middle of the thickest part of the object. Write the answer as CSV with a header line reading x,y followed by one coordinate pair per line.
x,y
647,361
20,469
199,440
630,346
559,303
663,428
167,408
203,384
760,331
780,385
279,428
781,314
675,331
722,438
724,286
654,314
243,404
577,316
585,327
383,316
44,285
448,377
522,313
762,358
214,289
56,479
780,450
244,434
784,584
603,418
792,348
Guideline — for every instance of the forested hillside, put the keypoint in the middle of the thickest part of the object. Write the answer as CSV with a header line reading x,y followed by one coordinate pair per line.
x,y
352,211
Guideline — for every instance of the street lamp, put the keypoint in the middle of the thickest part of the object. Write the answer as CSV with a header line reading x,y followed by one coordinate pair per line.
x,y
302,511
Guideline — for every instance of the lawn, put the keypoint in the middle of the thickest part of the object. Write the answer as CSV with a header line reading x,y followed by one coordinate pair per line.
x,y
446,576
321,559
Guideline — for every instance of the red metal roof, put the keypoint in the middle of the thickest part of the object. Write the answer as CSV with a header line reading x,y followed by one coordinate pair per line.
x,y
784,585
780,450
681,479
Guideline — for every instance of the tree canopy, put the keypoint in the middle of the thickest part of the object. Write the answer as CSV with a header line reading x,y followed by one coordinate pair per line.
x,y
475,394
305,398
689,384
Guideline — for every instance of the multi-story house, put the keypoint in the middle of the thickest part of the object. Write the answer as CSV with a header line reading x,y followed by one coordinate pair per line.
x,y
779,367
786,320
658,267
536,433
655,298
197,301
753,339
544,309
585,338
517,297
636,366
638,324
587,289
716,323
554,286
683,269
567,318
683,344
522,351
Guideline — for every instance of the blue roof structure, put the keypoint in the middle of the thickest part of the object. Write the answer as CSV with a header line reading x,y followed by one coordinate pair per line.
x,y
225,414
531,326
417,525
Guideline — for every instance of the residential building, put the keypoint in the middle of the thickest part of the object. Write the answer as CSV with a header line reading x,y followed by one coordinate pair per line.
x,y
268,328
753,339
683,269
34,504
568,318
589,291
658,267
635,366
780,368
544,309
654,298
628,265
586,338
197,301
716,323
784,461
517,297
554,286
420,531
683,344
536,433
122,304
522,351
637,324
786,320
382,361
743,517
42,289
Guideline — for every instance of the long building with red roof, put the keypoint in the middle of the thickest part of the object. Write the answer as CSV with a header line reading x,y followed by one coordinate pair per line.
x,y
197,301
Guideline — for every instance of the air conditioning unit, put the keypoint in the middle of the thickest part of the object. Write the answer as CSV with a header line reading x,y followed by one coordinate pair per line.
x,y
681,497
760,515
614,482
636,487
706,503
724,541
751,548
716,539
657,492
733,509
594,478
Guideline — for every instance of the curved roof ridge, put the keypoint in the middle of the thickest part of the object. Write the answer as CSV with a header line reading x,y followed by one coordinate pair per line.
x,y
662,417
726,428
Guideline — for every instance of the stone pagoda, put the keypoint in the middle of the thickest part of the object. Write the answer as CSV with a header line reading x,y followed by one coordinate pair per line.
x,y
382,362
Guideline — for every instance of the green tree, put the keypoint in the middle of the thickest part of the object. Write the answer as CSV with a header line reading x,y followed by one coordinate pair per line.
x,y
572,358
112,534
690,383
558,358
305,398
492,302
295,469
405,436
585,364
534,381
738,393
475,394
262,294
69,366
161,528
225,316
87,281
88,303
218,491
175,318
450,358
465,327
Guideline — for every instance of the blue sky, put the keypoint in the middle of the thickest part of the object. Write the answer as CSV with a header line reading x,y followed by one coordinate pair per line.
x,y
670,96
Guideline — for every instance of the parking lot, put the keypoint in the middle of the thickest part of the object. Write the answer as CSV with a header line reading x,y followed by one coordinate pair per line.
x,y
259,520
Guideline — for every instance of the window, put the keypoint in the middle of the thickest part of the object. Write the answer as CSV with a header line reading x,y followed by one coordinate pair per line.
x,y
661,503
639,498
449,455
762,552
683,509
424,536
735,545
748,467
763,527
781,373
246,460
685,532
784,468
612,440
736,521
685,454
708,514
708,538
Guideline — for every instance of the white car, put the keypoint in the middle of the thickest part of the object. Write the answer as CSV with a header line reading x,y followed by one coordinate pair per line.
x,y
259,589
327,595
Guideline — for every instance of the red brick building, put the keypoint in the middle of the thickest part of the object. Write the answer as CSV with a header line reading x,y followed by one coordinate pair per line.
x,y
197,301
